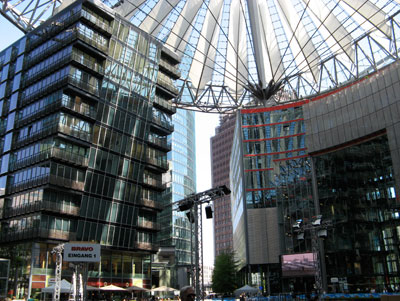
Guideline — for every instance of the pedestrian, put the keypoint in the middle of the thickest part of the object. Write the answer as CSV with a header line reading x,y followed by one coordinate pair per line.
x,y
187,293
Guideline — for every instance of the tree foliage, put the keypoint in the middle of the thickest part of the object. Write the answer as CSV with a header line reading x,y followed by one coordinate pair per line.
x,y
224,280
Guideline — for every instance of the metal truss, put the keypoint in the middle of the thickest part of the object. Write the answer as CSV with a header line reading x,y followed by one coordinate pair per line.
x,y
192,204
26,15
371,54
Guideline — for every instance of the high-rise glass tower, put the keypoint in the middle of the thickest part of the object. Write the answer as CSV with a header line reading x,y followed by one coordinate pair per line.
x,y
85,114
177,230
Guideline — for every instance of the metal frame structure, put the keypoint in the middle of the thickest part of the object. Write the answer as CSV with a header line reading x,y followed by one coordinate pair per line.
x,y
58,250
372,50
193,205
26,15
314,228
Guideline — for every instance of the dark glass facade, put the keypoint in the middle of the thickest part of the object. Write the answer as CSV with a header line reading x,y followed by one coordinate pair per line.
x,y
356,191
85,114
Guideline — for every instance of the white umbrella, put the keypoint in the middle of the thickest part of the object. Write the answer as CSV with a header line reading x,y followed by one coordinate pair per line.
x,y
164,289
65,287
135,288
246,289
112,287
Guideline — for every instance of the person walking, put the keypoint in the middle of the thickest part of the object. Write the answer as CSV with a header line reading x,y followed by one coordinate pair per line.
x,y
187,293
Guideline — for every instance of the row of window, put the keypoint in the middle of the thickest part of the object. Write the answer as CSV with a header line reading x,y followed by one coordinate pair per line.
x,y
118,142
48,63
131,36
274,131
47,169
121,120
113,212
115,165
109,187
39,195
110,235
272,117
131,59
42,221
61,118
132,102
46,145
276,145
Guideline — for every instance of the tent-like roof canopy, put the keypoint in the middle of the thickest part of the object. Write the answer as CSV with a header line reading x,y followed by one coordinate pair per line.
x,y
231,47
310,45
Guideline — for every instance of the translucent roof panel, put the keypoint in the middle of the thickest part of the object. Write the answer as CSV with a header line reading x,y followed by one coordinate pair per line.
x,y
231,47
309,45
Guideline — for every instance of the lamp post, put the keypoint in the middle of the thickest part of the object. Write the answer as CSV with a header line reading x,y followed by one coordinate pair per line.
x,y
192,205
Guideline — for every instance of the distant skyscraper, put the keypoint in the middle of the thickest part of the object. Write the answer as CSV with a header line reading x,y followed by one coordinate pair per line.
x,y
221,144
176,229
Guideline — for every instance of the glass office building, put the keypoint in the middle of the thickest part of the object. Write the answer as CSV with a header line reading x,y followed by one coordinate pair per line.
x,y
177,229
85,112
314,186
267,140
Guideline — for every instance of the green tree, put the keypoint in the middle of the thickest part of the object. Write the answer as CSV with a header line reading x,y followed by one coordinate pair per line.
x,y
224,280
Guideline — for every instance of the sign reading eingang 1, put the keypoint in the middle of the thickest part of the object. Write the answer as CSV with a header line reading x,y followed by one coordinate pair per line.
x,y
81,252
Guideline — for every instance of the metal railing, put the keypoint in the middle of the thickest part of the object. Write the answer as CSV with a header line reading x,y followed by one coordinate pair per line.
x,y
29,233
163,123
149,203
160,141
165,104
149,225
82,109
41,206
46,179
54,152
157,162
52,129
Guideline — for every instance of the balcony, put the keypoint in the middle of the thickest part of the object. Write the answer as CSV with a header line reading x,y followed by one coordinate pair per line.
x,y
166,83
50,68
95,22
91,65
40,38
50,130
161,142
91,42
164,104
42,206
163,123
170,69
88,87
33,233
149,203
163,164
53,152
153,183
47,89
46,179
148,225
146,246
81,109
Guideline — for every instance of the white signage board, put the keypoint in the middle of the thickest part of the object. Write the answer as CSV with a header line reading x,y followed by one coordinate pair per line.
x,y
81,252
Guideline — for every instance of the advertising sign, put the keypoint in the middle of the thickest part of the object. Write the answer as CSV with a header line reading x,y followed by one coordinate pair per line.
x,y
298,265
81,252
